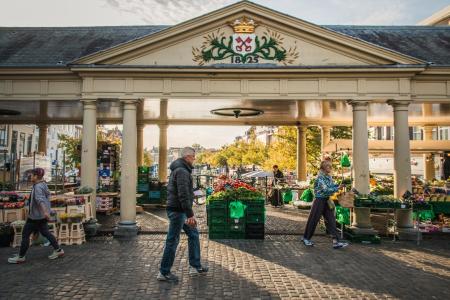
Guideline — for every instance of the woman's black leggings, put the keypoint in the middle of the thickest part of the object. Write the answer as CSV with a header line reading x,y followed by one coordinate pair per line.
x,y
32,226
320,208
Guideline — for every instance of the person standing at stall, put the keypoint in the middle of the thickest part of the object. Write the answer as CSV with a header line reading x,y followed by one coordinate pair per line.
x,y
180,196
39,214
275,197
324,187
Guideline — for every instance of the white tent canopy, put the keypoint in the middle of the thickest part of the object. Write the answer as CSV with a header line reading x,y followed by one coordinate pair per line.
x,y
387,146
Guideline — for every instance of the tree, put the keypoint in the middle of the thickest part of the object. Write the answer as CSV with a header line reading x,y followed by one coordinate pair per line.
x,y
72,148
148,160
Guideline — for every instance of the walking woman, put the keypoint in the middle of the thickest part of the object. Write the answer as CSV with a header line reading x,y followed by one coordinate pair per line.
x,y
39,214
324,187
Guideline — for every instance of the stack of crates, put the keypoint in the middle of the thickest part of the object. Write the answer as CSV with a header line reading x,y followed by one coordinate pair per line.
x,y
143,184
221,226
255,217
217,220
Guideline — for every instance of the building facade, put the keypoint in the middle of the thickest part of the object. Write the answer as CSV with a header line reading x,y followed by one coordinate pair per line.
x,y
244,64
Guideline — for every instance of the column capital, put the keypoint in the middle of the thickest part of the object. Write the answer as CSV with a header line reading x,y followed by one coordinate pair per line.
x,y
399,105
302,127
140,126
89,103
129,104
163,126
358,104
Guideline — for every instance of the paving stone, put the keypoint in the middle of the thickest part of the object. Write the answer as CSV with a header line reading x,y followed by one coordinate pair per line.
x,y
279,267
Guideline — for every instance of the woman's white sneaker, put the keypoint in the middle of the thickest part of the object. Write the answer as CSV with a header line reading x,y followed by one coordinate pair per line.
x,y
16,259
56,254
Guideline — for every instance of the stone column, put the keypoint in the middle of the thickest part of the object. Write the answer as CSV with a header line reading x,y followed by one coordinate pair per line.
x,y
301,153
428,159
162,161
360,147
140,144
326,136
402,152
127,225
361,215
89,149
42,142
162,164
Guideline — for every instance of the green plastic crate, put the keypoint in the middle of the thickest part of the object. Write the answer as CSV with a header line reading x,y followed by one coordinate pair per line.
x,y
237,225
255,206
217,219
256,218
143,170
142,187
218,235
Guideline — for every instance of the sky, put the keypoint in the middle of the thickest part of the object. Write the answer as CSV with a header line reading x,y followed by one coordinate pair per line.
x,y
169,12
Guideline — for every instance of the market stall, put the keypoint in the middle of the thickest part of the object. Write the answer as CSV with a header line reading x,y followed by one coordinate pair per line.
x,y
235,211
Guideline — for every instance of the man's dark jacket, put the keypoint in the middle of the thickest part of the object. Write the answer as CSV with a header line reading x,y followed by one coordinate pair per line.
x,y
180,191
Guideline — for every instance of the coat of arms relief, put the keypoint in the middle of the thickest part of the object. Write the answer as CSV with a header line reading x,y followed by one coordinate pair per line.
x,y
244,46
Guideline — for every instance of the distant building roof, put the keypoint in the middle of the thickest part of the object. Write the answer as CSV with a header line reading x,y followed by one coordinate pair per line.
x,y
59,46
441,17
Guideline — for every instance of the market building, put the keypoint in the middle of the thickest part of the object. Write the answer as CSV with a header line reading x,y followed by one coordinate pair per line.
x,y
240,65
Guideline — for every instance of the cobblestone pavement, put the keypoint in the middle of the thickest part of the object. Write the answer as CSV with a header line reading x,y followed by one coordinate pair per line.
x,y
279,267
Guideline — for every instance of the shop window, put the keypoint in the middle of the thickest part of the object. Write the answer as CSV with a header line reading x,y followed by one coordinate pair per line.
x,y
22,142
15,135
29,144
3,135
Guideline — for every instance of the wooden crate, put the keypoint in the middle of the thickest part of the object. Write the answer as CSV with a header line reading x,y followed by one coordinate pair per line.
x,y
11,215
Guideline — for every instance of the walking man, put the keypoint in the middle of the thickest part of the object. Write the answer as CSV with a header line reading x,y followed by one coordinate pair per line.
x,y
39,213
180,196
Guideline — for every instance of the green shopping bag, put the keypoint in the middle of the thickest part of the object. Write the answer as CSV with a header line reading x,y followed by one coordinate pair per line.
x,y
307,196
345,161
343,215
287,196
237,209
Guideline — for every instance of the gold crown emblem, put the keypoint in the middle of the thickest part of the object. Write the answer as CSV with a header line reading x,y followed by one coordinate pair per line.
x,y
243,25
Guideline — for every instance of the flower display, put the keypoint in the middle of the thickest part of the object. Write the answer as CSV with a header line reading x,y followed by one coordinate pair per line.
x,y
227,190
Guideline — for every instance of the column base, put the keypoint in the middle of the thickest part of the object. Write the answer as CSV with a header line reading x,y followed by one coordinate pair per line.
x,y
409,234
363,231
126,229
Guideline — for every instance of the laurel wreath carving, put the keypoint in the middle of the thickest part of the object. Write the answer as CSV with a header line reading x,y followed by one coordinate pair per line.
x,y
217,46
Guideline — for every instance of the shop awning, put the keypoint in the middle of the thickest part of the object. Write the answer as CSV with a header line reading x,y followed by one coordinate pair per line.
x,y
383,146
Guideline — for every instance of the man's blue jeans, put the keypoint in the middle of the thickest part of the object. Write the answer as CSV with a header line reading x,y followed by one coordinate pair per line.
x,y
177,222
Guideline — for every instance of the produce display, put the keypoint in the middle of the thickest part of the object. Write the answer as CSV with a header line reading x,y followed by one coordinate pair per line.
x,y
234,190
12,200
235,211
71,218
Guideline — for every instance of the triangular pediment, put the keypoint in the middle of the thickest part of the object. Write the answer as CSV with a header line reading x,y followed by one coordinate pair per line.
x,y
247,33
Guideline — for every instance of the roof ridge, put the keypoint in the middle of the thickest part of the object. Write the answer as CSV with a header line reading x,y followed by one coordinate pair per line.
x,y
82,27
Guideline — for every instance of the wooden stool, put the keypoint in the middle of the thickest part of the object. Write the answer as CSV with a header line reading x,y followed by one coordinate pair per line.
x,y
77,236
18,231
64,234
12,215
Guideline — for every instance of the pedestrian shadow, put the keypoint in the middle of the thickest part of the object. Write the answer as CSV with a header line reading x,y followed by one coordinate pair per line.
x,y
358,267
